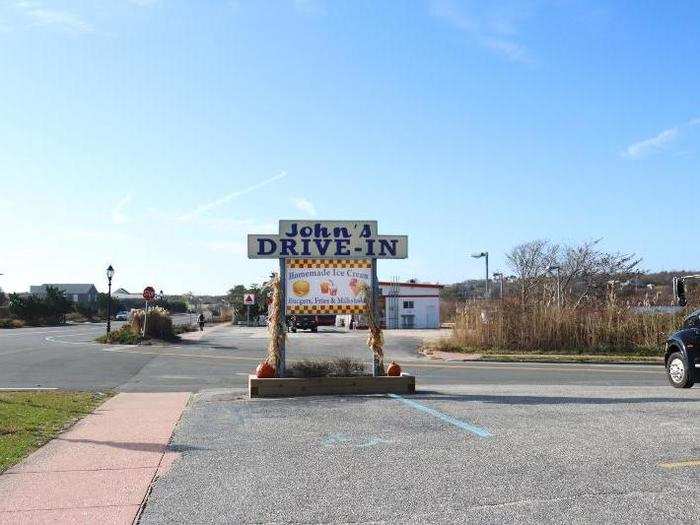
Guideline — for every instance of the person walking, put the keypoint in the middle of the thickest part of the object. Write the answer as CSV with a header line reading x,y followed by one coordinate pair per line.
x,y
201,321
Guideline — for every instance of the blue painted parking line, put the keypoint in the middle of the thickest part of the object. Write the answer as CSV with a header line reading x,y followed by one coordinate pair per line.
x,y
481,432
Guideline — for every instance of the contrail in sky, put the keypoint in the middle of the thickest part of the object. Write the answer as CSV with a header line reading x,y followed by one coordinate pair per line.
x,y
202,208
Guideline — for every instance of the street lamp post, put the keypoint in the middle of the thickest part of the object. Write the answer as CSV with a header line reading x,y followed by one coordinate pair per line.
x,y
110,274
486,257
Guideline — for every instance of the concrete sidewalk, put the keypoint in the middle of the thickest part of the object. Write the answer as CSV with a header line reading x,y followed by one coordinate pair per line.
x,y
100,470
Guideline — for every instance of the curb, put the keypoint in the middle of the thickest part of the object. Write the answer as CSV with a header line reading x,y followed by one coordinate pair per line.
x,y
540,358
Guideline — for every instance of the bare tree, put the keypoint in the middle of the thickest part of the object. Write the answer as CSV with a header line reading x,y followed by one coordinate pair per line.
x,y
584,270
530,262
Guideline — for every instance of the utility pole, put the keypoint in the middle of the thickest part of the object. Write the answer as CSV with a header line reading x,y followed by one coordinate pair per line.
x,y
485,255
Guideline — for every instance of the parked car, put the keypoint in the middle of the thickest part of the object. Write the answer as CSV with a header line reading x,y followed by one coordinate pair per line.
x,y
309,322
122,316
682,358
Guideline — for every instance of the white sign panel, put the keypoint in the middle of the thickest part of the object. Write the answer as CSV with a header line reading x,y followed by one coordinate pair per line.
x,y
249,298
327,240
327,286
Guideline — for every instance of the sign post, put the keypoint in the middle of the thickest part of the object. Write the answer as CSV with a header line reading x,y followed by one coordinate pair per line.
x,y
248,300
283,291
376,370
149,293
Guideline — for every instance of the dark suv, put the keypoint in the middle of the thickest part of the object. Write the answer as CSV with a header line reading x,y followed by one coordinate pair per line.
x,y
682,357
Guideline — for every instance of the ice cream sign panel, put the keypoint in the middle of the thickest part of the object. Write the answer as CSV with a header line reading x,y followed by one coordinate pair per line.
x,y
322,286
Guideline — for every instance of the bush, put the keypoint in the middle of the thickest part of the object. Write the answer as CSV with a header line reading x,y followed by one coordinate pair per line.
x,y
224,315
159,325
125,335
341,367
184,328
540,328
11,323
34,310
87,312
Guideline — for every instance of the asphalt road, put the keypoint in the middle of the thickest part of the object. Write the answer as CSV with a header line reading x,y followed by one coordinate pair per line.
x,y
68,358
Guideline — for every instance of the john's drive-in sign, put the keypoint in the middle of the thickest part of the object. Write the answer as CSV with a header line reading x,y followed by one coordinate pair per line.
x,y
328,240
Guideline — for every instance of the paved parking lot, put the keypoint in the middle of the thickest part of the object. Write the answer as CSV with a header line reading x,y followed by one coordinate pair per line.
x,y
478,453
480,442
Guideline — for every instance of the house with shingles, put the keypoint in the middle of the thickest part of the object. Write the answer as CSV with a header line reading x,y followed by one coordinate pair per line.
x,y
78,293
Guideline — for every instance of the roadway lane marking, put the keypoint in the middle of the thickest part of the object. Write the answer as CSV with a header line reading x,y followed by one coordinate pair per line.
x,y
20,331
481,432
681,464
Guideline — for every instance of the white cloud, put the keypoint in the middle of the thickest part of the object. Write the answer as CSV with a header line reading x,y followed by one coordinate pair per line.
x,y
659,142
203,208
40,15
310,7
118,215
651,145
492,27
144,3
510,50
305,205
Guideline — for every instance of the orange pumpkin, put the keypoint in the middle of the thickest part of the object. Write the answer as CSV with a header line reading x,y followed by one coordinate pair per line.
x,y
265,369
394,369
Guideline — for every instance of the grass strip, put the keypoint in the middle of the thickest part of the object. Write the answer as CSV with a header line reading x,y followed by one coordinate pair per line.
x,y
29,419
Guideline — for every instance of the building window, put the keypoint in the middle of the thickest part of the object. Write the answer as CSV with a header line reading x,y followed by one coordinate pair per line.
x,y
408,305
408,321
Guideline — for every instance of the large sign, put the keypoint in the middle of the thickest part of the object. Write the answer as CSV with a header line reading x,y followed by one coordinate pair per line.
x,y
322,286
327,240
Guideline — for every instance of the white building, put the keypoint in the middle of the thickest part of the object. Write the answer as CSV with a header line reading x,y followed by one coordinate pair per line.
x,y
410,305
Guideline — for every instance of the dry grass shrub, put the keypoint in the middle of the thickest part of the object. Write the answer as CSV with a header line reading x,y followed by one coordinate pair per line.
x,y
11,323
226,315
159,325
341,367
511,326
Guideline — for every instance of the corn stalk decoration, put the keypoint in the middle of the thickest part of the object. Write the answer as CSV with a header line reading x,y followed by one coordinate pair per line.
x,y
375,339
276,324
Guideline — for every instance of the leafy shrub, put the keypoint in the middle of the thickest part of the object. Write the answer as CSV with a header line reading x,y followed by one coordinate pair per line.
x,y
125,335
11,323
85,311
159,324
50,308
341,367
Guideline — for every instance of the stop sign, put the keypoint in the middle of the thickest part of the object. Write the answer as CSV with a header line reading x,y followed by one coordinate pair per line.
x,y
149,293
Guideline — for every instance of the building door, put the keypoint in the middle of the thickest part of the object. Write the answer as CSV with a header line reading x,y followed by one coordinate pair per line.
x,y
408,321
431,316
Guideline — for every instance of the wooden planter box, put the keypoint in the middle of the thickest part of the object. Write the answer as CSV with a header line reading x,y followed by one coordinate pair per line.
x,y
318,386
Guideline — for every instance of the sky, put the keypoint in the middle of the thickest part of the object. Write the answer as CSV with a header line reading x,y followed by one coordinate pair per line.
x,y
153,135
